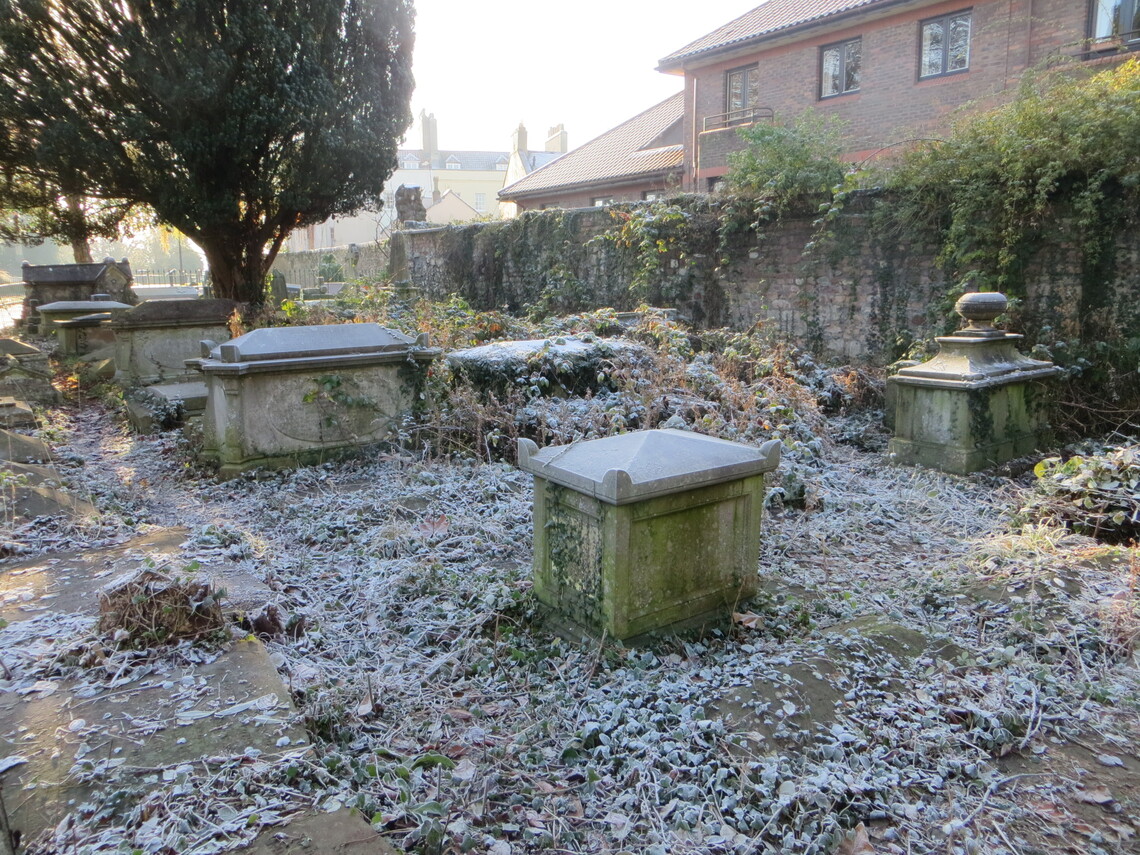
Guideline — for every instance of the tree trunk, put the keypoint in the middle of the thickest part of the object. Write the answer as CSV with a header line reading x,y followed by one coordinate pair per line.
x,y
81,249
77,229
235,274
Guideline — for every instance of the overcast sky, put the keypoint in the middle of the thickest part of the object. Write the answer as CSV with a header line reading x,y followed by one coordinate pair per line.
x,y
483,66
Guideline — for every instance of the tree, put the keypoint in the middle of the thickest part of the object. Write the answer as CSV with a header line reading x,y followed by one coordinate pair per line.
x,y
235,121
32,211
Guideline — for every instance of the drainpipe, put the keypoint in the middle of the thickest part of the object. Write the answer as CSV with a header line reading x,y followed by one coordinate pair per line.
x,y
696,154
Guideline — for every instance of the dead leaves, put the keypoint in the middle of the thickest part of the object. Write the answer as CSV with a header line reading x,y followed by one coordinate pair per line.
x,y
857,842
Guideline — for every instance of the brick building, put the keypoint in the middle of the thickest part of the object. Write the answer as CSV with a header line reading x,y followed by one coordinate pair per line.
x,y
638,160
893,70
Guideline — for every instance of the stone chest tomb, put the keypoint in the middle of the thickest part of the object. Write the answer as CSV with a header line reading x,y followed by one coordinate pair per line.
x,y
154,339
282,396
646,531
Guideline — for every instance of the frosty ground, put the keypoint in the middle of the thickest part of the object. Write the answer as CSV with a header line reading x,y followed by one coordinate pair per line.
x,y
924,672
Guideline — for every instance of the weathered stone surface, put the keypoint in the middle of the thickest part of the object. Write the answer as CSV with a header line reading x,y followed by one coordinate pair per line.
x,y
15,413
283,396
154,339
344,832
166,405
81,335
25,373
646,531
35,491
17,448
976,404
185,713
65,310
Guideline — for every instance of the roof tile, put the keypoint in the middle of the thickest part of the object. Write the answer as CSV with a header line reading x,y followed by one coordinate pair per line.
x,y
767,19
635,147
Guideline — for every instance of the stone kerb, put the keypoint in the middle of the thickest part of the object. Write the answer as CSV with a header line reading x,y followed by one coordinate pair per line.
x,y
293,395
154,339
646,531
978,403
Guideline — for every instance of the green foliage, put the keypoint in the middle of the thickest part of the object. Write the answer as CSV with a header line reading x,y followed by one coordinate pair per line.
x,y
236,121
1066,147
1096,494
787,166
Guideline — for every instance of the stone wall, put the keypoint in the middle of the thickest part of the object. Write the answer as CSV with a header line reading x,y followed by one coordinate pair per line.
x,y
366,261
857,294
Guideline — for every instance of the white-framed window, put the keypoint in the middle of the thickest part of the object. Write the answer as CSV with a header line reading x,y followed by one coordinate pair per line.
x,y
944,46
452,164
480,202
651,195
1116,19
602,201
840,68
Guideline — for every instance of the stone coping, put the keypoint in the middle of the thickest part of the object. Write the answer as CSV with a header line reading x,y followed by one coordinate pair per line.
x,y
85,321
83,306
976,362
178,313
300,348
643,465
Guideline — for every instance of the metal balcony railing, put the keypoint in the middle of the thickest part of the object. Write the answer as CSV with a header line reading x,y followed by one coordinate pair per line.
x,y
745,116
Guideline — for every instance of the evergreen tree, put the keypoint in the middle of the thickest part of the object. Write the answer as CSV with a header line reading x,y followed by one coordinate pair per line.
x,y
235,121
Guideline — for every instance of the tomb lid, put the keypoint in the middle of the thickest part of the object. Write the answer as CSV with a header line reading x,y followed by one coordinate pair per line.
x,y
312,341
83,306
93,320
190,312
18,348
633,467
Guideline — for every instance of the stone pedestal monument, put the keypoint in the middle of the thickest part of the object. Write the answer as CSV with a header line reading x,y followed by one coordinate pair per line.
x,y
646,531
978,403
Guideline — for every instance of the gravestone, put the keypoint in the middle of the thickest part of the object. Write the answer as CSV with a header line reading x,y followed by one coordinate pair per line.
x,y
290,395
83,334
976,404
646,531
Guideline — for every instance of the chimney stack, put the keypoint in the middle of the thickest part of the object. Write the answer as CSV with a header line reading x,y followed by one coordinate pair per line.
x,y
556,139
518,139
431,135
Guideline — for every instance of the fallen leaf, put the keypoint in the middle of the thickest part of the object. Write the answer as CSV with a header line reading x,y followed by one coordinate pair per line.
x,y
857,842
746,619
1096,796
433,526
1109,760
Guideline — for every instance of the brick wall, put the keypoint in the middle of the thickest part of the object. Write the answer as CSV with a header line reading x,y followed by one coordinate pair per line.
x,y
861,296
892,104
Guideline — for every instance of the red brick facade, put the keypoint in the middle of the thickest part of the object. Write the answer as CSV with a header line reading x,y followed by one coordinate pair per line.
x,y
891,105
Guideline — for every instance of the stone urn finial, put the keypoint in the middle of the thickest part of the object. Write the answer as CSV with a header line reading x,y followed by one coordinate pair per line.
x,y
978,309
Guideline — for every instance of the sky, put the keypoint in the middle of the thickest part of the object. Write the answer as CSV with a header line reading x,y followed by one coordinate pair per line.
x,y
483,66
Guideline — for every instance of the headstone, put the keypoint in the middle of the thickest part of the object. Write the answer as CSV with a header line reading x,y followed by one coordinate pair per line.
x,y
646,531
410,204
976,404
288,395
154,339
278,289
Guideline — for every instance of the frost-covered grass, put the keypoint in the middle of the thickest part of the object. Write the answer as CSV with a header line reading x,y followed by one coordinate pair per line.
x,y
909,647
441,707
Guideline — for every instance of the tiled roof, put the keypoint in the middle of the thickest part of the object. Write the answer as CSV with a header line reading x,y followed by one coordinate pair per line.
x,y
483,160
770,18
647,144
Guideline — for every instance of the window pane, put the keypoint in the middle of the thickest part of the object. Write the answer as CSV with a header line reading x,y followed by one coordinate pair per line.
x,y
854,65
752,95
1107,14
959,52
931,48
830,82
1134,25
735,90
